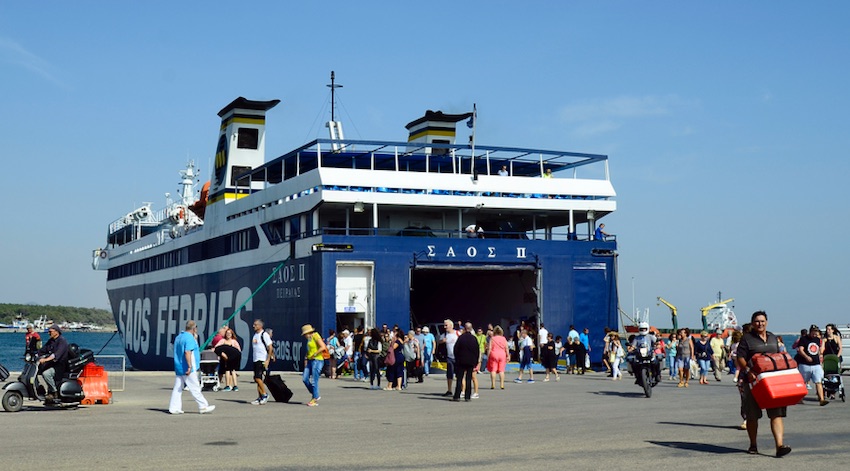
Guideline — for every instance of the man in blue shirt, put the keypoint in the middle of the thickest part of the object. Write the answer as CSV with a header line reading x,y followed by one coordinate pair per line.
x,y
187,362
600,234
429,343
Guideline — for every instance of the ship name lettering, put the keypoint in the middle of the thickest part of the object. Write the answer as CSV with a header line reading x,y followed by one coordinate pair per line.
x,y
471,252
147,330
290,274
520,252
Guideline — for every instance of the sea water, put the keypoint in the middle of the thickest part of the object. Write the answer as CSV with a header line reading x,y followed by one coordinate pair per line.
x,y
101,343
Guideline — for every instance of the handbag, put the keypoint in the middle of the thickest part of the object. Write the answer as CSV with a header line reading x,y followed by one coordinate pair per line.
x,y
389,360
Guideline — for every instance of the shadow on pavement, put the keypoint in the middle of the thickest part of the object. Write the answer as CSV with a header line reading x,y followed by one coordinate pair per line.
x,y
618,393
703,447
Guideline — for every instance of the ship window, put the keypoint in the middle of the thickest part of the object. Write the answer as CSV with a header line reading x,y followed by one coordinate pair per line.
x,y
295,225
438,151
249,138
237,171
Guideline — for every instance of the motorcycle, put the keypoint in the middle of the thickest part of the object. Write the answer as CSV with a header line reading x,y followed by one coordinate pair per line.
x,y
28,386
644,367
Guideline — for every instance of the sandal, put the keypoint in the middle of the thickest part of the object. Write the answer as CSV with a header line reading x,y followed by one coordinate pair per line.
x,y
754,450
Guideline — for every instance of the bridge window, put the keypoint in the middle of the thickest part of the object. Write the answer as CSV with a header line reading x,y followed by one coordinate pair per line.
x,y
249,138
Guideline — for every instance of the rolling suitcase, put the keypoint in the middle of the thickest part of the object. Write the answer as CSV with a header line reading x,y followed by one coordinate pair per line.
x,y
278,388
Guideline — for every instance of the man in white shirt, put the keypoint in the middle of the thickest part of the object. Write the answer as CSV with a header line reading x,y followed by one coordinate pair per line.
x,y
542,337
261,350
450,340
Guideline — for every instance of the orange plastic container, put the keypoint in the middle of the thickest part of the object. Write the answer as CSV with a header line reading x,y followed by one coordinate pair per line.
x,y
95,383
91,370
779,388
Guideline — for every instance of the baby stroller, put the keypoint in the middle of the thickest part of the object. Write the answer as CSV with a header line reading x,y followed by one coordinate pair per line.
x,y
209,371
832,383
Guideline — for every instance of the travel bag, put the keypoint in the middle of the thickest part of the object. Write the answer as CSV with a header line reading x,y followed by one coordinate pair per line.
x,y
4,373
764,362
277,387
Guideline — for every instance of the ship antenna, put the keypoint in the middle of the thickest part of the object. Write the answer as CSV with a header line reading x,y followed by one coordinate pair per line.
x,y
334,126
333,86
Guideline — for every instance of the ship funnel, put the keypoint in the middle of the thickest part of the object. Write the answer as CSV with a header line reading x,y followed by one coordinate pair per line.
x,y
241,148
435,127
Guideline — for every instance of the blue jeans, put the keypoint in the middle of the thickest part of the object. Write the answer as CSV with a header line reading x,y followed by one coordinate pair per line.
x,y
358,373
427,357
704,366
671,364
314,369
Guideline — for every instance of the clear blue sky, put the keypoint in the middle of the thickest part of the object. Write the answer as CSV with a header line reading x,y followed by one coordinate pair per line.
x,y
725,123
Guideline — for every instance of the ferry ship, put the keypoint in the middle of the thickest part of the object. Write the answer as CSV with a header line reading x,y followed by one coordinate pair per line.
x,y
345,233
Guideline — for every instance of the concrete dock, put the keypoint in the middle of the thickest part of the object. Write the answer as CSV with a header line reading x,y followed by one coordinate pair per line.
x,y
580,422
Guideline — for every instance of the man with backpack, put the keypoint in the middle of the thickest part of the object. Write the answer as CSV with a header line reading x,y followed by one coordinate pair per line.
x,y
261,351
412,354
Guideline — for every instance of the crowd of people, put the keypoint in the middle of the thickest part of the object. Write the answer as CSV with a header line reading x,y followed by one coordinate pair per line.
x,y
464,353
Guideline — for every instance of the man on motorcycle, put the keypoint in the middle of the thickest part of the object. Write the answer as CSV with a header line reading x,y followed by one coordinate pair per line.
x,y
54,359
646,339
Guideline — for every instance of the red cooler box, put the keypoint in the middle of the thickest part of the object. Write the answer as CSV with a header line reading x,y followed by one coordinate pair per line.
x,y
779,388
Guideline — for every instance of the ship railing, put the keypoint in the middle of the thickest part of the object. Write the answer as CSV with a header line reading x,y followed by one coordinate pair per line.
x,y
451,234
428,158
116,368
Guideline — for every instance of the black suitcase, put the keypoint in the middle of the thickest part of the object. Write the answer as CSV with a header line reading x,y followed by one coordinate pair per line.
x,y
278,388
4,373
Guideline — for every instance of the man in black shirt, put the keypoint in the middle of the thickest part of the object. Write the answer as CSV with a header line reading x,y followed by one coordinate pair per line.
x,y
759,340
467,355
54,359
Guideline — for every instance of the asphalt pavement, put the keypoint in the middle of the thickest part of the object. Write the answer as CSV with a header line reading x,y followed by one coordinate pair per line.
x,y
580,422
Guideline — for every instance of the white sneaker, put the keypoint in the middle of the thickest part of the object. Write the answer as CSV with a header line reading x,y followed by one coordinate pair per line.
x,y
207,410
175,412
475,395
264,399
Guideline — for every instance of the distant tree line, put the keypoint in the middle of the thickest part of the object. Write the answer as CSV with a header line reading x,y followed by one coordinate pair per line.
x,y
59,314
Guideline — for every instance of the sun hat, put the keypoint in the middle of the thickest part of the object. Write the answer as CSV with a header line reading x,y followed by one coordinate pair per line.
x,y
307,329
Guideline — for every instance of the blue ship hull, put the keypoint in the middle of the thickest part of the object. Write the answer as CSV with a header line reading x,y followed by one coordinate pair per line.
x,y
417,280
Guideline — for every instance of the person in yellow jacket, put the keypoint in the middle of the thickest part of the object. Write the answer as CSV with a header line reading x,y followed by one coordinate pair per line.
x,y
314,360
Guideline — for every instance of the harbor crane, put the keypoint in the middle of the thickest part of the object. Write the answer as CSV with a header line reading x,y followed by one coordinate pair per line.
x,y
674,312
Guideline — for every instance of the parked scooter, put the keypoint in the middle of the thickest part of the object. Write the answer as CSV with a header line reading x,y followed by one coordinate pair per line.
x,y
28,386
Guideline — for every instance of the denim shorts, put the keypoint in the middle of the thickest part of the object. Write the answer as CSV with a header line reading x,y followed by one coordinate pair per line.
x,y
813,373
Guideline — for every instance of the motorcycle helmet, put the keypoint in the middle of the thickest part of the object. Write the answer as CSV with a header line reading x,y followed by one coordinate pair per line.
x,y
643,328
